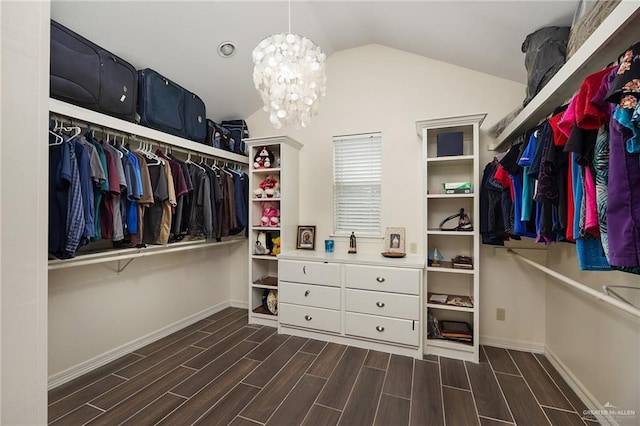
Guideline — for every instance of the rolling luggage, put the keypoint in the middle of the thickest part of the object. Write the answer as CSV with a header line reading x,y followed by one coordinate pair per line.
x,y
166,106
84,74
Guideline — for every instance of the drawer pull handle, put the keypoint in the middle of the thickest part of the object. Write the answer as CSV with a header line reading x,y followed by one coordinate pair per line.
x,y
304,270
308,317
380,279
306,293
380,304
380,328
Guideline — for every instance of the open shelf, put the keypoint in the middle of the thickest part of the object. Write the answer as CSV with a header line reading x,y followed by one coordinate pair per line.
x,y
450,344
452,160
444,196
264,257
616,33
449,270
266,171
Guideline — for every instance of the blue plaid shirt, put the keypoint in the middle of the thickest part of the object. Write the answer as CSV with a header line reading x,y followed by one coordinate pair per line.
x,y
75,208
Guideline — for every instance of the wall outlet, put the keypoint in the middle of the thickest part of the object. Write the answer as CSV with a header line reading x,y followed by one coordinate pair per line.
x,y
500,314
413,248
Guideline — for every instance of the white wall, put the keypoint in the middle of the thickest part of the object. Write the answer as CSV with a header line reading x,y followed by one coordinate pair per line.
x,y
599,344
23,202
239,272
375,88
93,310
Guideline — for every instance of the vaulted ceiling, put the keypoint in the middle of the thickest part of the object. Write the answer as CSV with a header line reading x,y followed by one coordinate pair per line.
x,y
179,39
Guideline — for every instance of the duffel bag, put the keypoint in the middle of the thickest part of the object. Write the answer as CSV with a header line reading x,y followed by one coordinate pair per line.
x,y
166,106
84,74
239,132
218,136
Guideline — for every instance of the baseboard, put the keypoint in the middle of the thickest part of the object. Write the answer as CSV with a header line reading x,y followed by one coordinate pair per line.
x,y
583,393
516,345
71,373
239,304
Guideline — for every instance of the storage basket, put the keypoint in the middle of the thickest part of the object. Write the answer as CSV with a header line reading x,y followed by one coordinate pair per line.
x,y
587,22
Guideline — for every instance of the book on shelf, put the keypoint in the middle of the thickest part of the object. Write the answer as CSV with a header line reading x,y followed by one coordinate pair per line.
x,y
451,300
462,262
456,330
458,191
461,265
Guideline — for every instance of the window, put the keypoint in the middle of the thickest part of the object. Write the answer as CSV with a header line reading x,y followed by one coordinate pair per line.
x,y
357,182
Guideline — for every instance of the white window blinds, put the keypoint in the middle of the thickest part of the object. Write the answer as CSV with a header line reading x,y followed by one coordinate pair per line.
x,y
357,182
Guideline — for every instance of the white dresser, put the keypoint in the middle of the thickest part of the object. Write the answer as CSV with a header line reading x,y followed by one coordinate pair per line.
x,y
362,300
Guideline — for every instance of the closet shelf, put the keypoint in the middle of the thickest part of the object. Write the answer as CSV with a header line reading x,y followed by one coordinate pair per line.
x,y
448,307
451,233
266,171
265,199
82,114
449,270
133,253
451,344
264,257
451,161
617,32
450,195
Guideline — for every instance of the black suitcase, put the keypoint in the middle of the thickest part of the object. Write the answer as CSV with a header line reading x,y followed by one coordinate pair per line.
x,y
166,106
84,74
239,132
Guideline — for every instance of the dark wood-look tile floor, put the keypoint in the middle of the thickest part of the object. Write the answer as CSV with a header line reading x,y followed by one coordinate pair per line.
x,y
222,371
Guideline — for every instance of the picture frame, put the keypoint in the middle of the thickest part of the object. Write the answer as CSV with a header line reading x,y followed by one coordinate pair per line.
x,y
394,240
306,237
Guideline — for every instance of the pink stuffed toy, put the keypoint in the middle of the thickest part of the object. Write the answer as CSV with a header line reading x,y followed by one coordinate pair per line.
x,y
270,214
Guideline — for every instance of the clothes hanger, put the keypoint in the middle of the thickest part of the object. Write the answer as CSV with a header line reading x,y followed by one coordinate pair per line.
x,y
123,147
195,164
59,139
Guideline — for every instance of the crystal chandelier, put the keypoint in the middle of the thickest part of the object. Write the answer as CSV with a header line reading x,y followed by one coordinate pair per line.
x,y
289,75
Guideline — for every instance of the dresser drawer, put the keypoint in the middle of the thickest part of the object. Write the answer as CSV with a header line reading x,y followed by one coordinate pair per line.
x,y
392,330
304,316
309,295
402,306
381,278
309,272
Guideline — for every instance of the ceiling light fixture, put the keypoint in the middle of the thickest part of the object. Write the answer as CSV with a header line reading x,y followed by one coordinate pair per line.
x,y
289,75
226,49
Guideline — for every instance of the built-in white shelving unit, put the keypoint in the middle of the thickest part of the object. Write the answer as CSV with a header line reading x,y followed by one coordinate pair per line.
x,y
263,268
444,279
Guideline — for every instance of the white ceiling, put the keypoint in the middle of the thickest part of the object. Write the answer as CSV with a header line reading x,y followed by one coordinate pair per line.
x,y
179,38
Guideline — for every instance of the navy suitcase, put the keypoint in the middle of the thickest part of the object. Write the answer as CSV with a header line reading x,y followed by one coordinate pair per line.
x,y
239,132
166,106
84,74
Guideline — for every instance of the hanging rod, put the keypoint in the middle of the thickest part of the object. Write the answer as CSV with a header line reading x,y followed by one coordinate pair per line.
x,y
143,252
579,286
131,137
136,132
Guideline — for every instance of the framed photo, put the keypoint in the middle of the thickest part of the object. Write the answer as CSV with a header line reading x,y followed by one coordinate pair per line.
x,y
306,237
394,240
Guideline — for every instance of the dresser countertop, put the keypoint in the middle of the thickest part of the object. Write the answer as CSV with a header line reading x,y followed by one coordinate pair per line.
x,y
375,259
